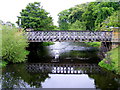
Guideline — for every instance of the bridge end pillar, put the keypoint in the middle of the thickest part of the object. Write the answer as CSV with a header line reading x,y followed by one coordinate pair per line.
x,y
116,34
115,37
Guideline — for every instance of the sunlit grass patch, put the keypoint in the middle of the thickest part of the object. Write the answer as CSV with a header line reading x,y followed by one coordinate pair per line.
x,y
94,44
47,43
112,61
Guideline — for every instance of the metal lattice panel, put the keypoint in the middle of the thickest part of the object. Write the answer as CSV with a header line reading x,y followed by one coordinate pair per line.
x,y
79,36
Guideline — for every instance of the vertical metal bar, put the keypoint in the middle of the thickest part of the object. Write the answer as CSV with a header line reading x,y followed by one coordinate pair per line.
x,y
59,38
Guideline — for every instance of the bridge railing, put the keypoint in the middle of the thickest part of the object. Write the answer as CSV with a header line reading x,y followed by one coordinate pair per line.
x,y
80,36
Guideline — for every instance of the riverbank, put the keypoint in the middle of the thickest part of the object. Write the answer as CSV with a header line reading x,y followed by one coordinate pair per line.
x,y
112,61
94,44
47,43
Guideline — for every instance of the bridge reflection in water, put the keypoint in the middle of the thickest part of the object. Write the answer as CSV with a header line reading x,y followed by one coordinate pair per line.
x,y
56,68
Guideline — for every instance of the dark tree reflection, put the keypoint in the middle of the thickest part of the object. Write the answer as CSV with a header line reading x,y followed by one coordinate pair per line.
x,y
16,76
38,53
106,80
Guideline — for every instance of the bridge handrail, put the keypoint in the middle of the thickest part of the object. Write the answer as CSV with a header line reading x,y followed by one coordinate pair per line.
x,y
67,31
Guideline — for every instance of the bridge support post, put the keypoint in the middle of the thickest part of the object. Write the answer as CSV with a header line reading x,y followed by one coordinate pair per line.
x,y
106,46
115,42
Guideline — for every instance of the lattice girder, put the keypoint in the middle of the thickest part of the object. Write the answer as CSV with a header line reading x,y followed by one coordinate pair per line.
x,y
75,36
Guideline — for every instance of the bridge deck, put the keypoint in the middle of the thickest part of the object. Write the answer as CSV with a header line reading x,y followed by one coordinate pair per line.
x,y
74,36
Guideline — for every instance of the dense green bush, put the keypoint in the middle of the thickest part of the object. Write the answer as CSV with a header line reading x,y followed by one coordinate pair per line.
x,y
13,45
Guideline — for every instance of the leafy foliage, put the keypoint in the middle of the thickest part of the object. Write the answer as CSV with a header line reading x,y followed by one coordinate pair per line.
x,y
3,63
70,16
76,12
111,21
13,45
35,17
78,26
63,20
87,16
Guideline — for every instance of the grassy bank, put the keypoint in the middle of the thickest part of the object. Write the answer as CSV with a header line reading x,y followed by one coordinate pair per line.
x,y
47,43
94,44
112,61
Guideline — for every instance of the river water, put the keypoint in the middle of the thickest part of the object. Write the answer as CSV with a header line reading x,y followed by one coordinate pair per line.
x,y
62,65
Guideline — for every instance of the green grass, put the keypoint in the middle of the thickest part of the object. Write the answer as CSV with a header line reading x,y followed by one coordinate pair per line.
x,y
47,43
112,61
94,44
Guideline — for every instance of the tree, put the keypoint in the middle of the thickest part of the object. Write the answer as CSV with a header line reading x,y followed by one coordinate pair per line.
x,y
97,12
35,17
63,20
76,12
111,21
70,16
78,26
89,15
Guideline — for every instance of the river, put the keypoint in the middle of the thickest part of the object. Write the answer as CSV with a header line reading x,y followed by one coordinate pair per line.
x,y
61,65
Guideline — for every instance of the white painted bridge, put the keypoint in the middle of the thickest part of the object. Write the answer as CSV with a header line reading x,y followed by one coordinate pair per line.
x,y
74,36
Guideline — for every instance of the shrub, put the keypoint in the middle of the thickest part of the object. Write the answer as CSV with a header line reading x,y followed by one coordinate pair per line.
x,y
13,45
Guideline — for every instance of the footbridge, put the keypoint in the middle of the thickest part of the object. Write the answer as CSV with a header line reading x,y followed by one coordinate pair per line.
x,y
74,36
